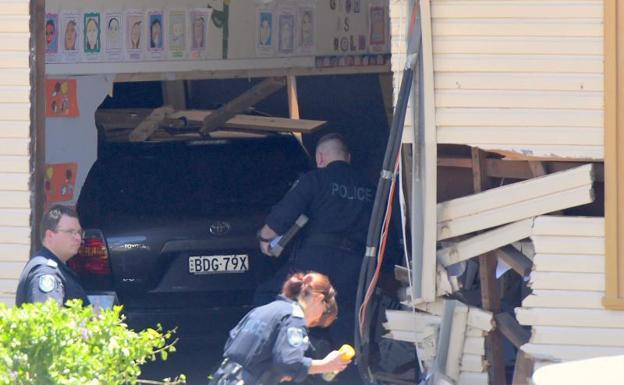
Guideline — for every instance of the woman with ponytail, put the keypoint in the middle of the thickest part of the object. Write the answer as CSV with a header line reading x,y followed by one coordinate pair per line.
x,y
268,345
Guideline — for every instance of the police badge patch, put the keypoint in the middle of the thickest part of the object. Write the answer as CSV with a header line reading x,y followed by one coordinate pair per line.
x,y
47,283
295,336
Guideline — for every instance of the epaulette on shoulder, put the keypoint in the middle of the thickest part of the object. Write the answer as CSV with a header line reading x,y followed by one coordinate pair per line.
x,y
52,263
297,311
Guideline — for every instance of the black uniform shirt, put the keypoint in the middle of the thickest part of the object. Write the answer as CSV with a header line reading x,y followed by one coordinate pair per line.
x,y
271,338
46,276
336,199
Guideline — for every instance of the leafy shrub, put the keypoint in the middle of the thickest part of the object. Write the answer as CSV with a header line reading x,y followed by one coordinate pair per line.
x,y
46,344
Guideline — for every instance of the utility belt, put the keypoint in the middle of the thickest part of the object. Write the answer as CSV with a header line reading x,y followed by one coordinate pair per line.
x,y
229,373
336,241
233,373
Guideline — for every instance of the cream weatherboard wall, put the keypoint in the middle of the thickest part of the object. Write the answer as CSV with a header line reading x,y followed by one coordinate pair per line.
x,y
521,76
15,207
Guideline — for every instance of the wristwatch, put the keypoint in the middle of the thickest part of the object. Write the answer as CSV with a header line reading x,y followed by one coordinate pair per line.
x,y
260,237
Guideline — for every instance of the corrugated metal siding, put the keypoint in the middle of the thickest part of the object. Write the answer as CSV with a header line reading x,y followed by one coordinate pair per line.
x,y
520,76
15,193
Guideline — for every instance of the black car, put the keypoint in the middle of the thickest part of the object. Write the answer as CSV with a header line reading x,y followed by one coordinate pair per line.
x,y
172,225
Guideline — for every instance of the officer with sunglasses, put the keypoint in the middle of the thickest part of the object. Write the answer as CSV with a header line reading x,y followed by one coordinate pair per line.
x,y
46,275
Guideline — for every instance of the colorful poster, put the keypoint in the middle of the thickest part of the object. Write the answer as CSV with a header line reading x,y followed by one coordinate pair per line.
x,y
51,33
113,36
92,36
199,32
264,34
286,32
60,182
176,22
135,41
155,26
71,23
378,28
61,100
306,30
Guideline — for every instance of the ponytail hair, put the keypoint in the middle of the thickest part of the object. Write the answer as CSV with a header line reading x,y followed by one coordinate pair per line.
x,y
301,285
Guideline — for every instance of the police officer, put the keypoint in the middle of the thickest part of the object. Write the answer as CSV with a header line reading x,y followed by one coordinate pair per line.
x,y
46,274
268,345
338,202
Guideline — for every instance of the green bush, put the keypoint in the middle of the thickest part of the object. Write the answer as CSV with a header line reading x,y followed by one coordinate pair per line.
x,y
46,344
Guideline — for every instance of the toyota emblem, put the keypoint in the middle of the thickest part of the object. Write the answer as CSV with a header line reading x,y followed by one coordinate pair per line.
x,y
219,228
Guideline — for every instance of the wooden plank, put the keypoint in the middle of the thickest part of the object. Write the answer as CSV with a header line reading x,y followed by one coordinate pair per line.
x,y
428,148
474,345
456,341
241,103
475,332
564,299
15,235
554,335
517,135
571,317
148,126
406,320
174,94
473,363
11,270
568,245
480,319
516,10
512,193
570,352
525,45
472,378
481,63
571,263
484,242
511,329
567,281
550,152
15,217
15,94
518,27
523,369
521,210
15,182
519,81
15,77
414,336
519,262
15,199
14,23
14,42
518,117
566,225
14,60
15,129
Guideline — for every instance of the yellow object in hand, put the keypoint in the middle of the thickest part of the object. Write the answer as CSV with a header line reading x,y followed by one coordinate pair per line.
x,y
346,354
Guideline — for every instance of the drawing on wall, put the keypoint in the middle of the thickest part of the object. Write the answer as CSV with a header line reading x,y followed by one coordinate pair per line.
x,y
356,6
306,29
264,32
377,26
113,36
71,23
177,33
286,32
60,182
51,33
61,100
92,33
135,41
155,25
199,30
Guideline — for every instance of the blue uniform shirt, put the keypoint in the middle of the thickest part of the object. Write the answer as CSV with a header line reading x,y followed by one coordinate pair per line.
x,y
46,276
272,338
336,199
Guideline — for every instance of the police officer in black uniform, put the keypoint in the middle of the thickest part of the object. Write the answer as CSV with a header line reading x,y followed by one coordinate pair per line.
x,y
46,274
338,202
268,345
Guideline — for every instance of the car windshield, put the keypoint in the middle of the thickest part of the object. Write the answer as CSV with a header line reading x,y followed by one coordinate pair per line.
x,y
196,178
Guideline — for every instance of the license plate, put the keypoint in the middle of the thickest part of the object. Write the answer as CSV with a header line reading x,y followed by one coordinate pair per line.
x,y
203,264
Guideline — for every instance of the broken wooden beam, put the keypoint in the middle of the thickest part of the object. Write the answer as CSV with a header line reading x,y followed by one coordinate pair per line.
x,y
241,103
519,262
515,201
511,329
150,124
484,242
